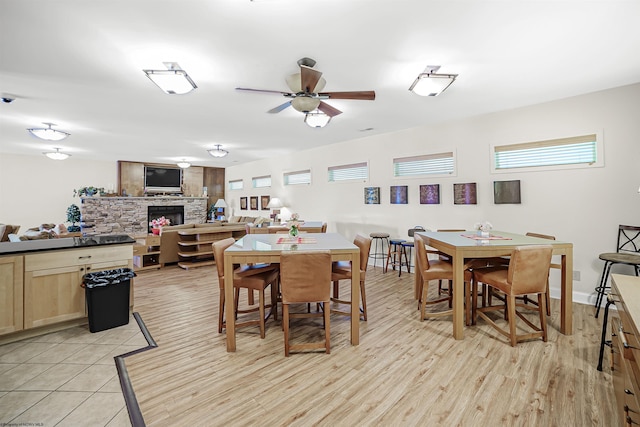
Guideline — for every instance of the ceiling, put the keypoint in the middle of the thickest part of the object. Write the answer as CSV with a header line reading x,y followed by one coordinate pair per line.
x,y
79,64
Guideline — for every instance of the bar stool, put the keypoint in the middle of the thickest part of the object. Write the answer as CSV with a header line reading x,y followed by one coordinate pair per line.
x,y
408,246
394,254
379,253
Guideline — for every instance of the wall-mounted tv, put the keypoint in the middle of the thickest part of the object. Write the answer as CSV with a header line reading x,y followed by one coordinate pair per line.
x,y
162,180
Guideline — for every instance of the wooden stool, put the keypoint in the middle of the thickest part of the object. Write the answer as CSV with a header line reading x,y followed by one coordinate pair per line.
x,y
394,254
379,253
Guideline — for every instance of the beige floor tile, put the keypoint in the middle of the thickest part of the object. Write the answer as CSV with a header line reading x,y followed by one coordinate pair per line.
x,y
98,410
91,379
21,374
117,336
60,336
53,408
138,340
54,377
84,338
120,420
90,354
15,403
7,366
24,353
58,353
8,348
112,386
117,351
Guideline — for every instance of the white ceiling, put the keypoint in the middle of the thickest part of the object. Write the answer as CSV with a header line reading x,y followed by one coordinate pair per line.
x,y
79,64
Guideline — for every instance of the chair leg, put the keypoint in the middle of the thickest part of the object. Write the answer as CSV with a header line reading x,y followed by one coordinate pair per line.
x,y
327,331
336,289
274,299
386,265
221,313
603,339
364,300
542,308
511,309
601,289
285,324
261,310
547,298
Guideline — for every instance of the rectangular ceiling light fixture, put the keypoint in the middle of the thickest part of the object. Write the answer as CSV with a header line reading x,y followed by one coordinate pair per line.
x,y
173,80
429,83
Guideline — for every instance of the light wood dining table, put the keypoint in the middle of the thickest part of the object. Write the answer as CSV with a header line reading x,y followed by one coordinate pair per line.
x,y
265,248
460,248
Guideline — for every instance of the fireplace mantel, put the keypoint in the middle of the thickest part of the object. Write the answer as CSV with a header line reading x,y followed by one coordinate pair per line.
x,y
117,215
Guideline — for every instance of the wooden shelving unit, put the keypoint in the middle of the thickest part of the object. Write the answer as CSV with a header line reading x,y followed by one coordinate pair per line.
x,y
195,246
146,254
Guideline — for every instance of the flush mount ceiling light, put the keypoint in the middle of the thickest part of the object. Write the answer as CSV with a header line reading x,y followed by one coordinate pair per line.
x,y
218,152
183,164
48,133
316,119
173,80
429,83
56,155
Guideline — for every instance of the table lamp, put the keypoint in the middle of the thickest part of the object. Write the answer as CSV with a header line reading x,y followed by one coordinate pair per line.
x,y
276,205
220,205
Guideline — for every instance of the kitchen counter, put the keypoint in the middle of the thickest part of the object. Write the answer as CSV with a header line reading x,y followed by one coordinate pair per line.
x,y
12,248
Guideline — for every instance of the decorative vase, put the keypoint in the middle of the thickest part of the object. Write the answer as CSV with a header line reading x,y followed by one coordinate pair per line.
x,y
293,232
155,231
483,233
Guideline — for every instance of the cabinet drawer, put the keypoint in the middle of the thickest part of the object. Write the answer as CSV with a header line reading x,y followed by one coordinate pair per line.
x,y
74,257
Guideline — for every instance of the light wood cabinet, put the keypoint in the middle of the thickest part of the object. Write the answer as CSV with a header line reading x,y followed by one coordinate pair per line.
x,y
11,294
52,281
146,253
195,245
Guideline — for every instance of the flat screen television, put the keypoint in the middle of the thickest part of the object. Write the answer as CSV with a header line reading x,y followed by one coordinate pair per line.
x,y
162,180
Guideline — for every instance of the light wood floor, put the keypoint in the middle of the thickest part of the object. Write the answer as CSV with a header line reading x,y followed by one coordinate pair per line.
x,y
404,372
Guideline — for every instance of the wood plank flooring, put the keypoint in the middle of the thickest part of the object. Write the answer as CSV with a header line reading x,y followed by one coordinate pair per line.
x,y
404,372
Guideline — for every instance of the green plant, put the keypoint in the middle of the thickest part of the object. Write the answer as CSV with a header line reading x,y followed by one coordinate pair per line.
x,y
73,216
88,191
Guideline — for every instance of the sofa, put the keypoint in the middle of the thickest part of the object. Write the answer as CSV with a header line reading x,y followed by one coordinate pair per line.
x,y
169,237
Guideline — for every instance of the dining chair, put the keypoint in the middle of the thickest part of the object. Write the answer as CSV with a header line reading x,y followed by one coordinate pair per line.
x,y
324,227
341,270
437,270
553,265
627,253
252,277
527,273
305,277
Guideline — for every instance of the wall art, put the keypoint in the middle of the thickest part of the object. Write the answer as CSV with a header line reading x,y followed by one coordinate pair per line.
x,y
264,202
506,192
430,194
399,194
253,203
465,194
372,195
243,203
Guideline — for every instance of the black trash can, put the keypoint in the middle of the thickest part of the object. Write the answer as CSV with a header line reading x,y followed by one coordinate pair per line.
x,y
107,295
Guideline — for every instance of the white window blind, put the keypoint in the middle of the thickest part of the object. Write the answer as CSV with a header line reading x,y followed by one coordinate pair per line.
x,y
236,185
429,164
298,177
358,171
564,151
261,181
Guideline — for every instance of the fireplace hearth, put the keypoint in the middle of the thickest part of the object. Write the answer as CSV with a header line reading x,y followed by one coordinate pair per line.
x,y
175,214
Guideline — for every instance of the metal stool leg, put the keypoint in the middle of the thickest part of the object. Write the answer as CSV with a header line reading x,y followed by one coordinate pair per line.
x,y
603,341
601,290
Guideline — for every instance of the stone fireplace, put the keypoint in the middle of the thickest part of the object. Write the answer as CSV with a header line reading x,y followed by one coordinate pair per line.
x,y
131,215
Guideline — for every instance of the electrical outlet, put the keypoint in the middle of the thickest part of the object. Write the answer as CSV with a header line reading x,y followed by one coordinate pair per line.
x,y
576,275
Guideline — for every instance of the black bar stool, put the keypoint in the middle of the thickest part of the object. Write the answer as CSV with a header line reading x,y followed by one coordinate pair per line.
x,y
394,255
379,252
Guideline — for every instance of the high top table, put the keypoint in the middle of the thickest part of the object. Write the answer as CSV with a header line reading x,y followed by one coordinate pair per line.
x,y
459,247
264,248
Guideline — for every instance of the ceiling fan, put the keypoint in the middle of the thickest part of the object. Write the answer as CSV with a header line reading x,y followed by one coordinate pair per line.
x,y
306,91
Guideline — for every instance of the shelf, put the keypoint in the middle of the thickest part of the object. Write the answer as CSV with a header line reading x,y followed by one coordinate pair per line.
x,y
195,253
146,254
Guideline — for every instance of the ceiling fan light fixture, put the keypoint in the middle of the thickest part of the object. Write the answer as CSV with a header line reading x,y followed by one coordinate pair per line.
x,y
183,164
57,155
316,119
173,80
48,133
304,104
218,152
429,83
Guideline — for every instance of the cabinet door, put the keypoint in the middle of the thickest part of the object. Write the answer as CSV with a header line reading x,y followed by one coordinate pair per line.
x,y
11,294
53,295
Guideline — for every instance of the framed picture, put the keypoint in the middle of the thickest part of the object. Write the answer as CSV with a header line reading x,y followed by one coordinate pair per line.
x,y
399,194
430,194
264,202
506,192
243,203
465,194
372,195
254,203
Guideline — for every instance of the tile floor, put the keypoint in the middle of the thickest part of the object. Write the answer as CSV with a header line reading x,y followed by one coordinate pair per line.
x,y
66,378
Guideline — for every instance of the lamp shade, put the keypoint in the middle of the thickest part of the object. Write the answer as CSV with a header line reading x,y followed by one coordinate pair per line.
x,y
220,203
316,119
218,152
56,155
275,203
48,133
183,164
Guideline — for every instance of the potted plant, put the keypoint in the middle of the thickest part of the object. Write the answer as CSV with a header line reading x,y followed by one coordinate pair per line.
x,y
73,216
88,191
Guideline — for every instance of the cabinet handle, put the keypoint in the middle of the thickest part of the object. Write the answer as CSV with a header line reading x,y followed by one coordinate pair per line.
x,y
84,257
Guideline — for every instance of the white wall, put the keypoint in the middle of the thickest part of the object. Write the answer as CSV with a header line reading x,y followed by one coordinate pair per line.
x,y
582,206
36,190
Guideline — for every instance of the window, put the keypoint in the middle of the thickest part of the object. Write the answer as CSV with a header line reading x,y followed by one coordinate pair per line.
x,y
429,164
298,177
261,181
357,171
579,151
236,185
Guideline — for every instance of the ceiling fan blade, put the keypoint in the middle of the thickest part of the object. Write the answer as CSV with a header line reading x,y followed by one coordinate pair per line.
x,y
364,95
309,78
264,91
279,107
328,109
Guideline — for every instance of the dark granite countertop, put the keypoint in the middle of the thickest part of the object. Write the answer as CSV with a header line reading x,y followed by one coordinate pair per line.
x,y
12,248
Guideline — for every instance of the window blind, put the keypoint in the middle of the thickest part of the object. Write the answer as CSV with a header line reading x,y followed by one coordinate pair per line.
x,y
429,164
298,177
236,184
358,171
261,181
564,151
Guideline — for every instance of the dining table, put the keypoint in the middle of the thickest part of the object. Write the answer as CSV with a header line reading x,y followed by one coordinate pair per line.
x,y
461,246
267,248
